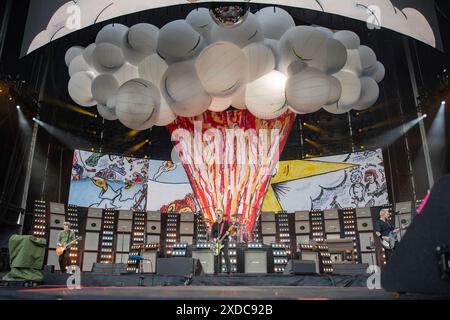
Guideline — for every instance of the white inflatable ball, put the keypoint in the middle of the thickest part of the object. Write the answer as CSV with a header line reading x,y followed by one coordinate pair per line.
x,y
301,43
115,34
183,90
80,88
369,94
308,90
377,72
112,102
108,58
331,58
295,67
178,41
247,32
348,38
200,19
274,22
88,54
368,57
238,100
164,114
103,87
335,108
106,113
126,73
222,68
72,53
143,37
261,60
273,45
137,99
152,69
351,88
327,32
335,90
78,64
265,97
219,104
353,63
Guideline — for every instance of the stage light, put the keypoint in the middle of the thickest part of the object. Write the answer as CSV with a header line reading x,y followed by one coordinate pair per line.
x,y
34,119
18,107
443,103
424,116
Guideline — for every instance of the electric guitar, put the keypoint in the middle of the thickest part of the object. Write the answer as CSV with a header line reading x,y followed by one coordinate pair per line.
x,y
217,245
61,248
392,241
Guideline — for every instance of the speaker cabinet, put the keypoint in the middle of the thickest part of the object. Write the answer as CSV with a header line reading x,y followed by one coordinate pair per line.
x,y
332,236
91,241
331,214
366,239
153,216
299,267
187,228
124,226
125,215
403,207
302,215
149,264
93,224
186,217
206,258
123,242
268,216
122,258
365,224
57,221
269,239
302,239
268,228
153,238
255,261
332,226
95,213
187,239
53,238
52,259
57,208
403,220
363,212
302,227
311,256
89,258
154,227
178,267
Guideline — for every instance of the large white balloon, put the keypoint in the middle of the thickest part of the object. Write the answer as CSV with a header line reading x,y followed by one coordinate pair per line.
x,y
265,97
219,104
152,69
327,32
72,53
88,54
78,64
368,57
178,41
115,34
331,58
377,72
261,60
80,88
273,45
183,90
222,69
274,22
369,94
353,63
351,88
308,90
142,41
247,32
348,38
335,90
164,114
137,99
238,100
335,108
103,87
108,54
295,67
201,21
126,73
106,113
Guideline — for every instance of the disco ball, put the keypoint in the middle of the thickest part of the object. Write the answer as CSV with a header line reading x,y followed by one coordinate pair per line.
x,y
229,16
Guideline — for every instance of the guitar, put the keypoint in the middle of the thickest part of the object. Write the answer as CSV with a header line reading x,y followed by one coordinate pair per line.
x,y
217,246
392,241
61,248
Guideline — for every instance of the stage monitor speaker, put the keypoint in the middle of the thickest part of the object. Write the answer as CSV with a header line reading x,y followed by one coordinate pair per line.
x,y
415,265
255,261
299,267
206,258
178,267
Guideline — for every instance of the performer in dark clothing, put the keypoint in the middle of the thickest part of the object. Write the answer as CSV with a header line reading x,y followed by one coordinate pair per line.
x,y
383,228
219,229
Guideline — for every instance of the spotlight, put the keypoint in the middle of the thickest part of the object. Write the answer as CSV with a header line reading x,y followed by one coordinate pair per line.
x,y
34,119
443,103
18,107
425,115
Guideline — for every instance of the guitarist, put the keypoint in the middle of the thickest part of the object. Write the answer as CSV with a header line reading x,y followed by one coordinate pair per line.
x,y
64,237
383,228
218,229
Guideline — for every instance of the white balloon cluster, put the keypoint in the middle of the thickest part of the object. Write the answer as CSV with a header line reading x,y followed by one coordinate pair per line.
x,y
145,76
